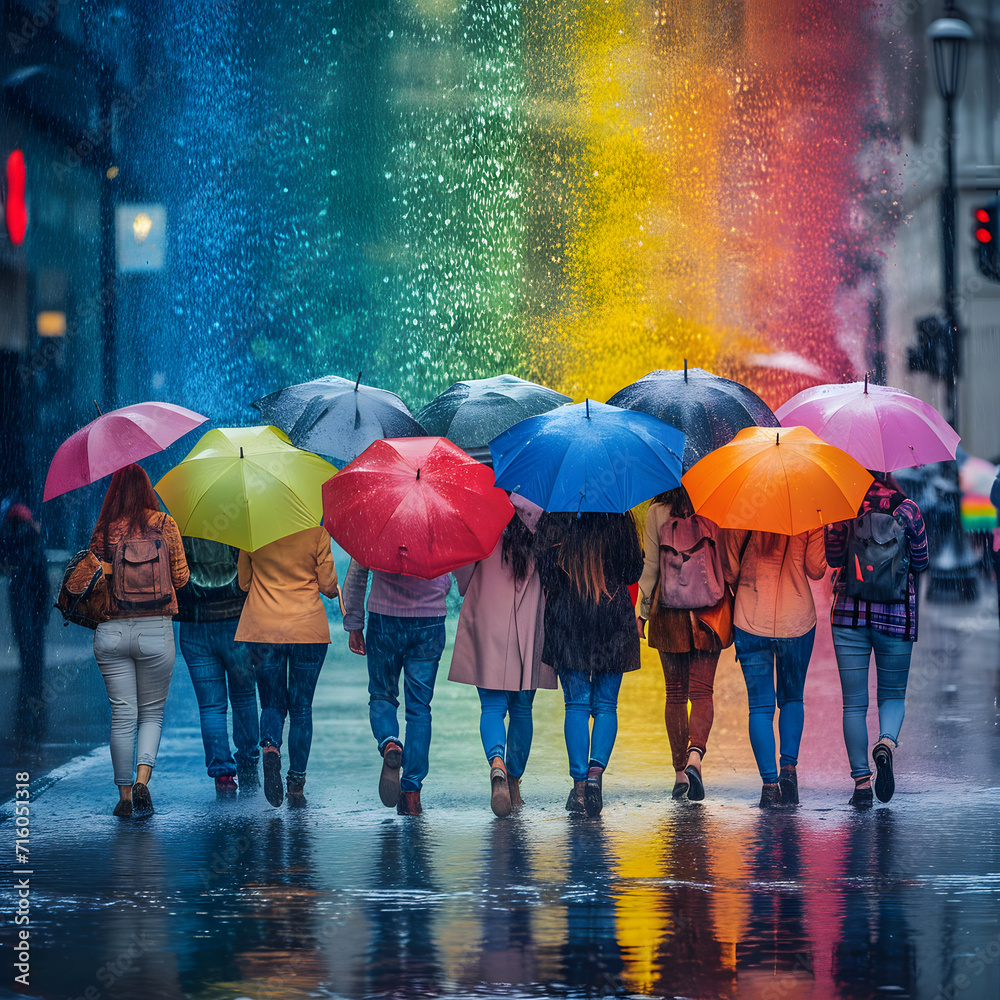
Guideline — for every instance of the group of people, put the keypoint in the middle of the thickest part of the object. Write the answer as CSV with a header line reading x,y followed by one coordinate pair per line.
x,y
553,605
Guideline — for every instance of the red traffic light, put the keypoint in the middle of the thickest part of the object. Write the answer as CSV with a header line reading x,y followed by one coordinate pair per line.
x,y
982,215
983,235
15,210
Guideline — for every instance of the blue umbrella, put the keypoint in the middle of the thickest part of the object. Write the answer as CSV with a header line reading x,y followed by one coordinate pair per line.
x,y
588,457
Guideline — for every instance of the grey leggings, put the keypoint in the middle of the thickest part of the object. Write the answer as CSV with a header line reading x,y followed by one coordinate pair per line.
x,y
136,657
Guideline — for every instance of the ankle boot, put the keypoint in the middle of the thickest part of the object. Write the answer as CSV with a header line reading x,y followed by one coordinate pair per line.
x,y
273,791
295,783
789,782
499,789
593,798
514,788
574,803
409,804
770,796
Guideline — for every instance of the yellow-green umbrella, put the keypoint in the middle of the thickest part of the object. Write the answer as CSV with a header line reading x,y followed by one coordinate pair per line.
x,y
245,486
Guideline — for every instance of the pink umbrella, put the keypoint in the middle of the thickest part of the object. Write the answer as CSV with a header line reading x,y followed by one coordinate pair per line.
x,y
114,440
881,427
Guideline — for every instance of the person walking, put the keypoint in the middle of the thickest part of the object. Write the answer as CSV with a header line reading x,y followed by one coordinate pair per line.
x,y
143,558
22,557
586,564
878,617
774,622
285,623
498,647
209,610
405,635
689,651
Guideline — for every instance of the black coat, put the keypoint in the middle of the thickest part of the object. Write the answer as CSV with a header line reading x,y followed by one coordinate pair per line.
x,y
581,635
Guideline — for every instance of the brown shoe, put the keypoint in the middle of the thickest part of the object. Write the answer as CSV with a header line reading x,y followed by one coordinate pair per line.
x,y
409,804
295,783
574,803
388,782
499,789
514,789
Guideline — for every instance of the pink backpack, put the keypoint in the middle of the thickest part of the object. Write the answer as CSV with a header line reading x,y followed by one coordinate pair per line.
x,y
690,565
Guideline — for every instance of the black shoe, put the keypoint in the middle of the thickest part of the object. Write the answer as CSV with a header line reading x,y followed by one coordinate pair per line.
x,y
124,809
142,803
388,782
593,799
885,783
680,789
274,790
789,782
697,790
296,797
770,796
862,797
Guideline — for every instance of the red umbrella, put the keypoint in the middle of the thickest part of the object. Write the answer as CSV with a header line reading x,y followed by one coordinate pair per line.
x,y
114,440
419,506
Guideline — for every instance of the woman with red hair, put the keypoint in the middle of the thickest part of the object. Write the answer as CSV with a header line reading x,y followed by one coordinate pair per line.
x,y
143,559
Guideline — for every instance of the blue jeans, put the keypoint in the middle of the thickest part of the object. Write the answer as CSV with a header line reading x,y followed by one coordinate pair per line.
x,y
761,658
517,737
215,659
286,680
854,647
589,695
413,646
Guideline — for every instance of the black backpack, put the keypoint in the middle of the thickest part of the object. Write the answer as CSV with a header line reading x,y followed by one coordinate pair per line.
x,y
878,557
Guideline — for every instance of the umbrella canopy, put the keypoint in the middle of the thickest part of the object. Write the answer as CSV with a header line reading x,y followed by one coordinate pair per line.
x,y
785,480
417,506
245,486
883,428
708,408
337,417
114,440
473,412
588,457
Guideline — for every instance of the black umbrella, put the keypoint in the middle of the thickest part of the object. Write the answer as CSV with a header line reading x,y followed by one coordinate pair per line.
x,y
472,413
708,408
336,417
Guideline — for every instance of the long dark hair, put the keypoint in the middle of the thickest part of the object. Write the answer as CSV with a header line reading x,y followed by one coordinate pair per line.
x,y
129,496
886,479
583,543
677,500
517,546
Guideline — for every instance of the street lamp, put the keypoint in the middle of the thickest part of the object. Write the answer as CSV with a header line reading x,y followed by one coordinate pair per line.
x,y
953,569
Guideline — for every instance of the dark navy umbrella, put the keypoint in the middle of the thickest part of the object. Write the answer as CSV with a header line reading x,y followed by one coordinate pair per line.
x,y
336,417
472,413
588,457
708,408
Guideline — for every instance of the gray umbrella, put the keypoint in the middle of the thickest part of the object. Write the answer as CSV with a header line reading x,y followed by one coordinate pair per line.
x,y
336,417
708,408
473,412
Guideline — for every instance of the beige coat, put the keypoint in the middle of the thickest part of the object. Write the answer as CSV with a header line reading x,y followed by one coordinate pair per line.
x,y
773,597
500,630
285,578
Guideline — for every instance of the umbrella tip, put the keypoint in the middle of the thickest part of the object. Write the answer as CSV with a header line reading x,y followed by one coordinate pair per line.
x,y
685,369
866,383
241,451
588,407
98,409
418,473
356,384
777,437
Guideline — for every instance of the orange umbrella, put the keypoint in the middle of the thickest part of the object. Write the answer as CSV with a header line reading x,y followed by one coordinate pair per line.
x,y
781,479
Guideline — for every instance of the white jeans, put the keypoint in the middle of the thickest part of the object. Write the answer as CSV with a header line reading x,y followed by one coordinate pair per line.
x,y
136,657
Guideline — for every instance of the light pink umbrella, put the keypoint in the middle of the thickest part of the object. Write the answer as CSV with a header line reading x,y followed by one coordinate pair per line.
x,y
881,427
114,440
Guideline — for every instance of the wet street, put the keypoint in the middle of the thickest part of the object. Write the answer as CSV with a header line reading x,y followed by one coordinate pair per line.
x,y
219,900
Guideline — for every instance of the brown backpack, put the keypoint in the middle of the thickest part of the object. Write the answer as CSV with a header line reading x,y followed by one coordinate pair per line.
x,y
140,573
83,595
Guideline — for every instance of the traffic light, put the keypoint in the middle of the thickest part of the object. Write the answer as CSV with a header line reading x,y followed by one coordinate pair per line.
x,y
987,237
15,210
930,354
